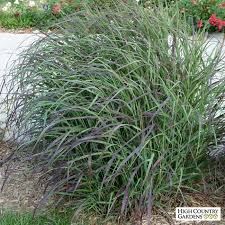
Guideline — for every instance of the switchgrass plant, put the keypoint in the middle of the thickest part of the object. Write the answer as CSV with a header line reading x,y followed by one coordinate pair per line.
x,y
121,119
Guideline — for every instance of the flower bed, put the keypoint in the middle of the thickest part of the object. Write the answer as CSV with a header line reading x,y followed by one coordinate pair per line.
x,y
38,13
209,14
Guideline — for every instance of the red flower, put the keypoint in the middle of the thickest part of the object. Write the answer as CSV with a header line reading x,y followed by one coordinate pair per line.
x,y
222,5
216,22
194,2
200,24
56,8
213,20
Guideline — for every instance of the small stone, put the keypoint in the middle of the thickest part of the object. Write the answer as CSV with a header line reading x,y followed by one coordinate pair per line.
x,y
36,32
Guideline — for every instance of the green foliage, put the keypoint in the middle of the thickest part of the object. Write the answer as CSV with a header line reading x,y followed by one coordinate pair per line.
x,y
202,10
53,218
156,2
40,16
114,112
25,19
9,218
104,3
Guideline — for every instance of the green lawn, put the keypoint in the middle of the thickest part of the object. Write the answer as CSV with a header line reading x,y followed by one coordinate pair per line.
x,y
10,218
27,219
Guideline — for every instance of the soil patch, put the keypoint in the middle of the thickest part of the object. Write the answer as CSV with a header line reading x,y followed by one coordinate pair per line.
x,y
19,189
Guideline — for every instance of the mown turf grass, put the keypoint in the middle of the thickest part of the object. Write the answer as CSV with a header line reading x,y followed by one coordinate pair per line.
x,y
12,218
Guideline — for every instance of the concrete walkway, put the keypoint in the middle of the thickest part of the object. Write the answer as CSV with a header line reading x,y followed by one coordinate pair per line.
x,y
10,46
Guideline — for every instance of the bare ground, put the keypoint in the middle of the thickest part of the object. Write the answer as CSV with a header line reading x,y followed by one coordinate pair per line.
x,y
19,191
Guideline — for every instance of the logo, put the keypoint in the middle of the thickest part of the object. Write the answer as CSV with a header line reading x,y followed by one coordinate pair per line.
x,y
198,213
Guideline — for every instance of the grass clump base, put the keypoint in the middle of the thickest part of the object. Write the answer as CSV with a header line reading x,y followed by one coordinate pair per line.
x,y
119,116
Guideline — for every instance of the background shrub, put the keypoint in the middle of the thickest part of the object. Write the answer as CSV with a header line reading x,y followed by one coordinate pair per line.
x,y
202,10
41,15
116,114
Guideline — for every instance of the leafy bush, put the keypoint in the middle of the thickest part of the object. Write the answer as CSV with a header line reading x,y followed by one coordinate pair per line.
x,y
41,15
27,13
201,11
116,114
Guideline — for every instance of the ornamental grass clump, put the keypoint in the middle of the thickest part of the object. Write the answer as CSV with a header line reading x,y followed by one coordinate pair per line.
x,y
121,119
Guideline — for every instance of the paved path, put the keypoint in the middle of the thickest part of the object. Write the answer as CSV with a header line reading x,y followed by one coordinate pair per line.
x,y
10,46
215,44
